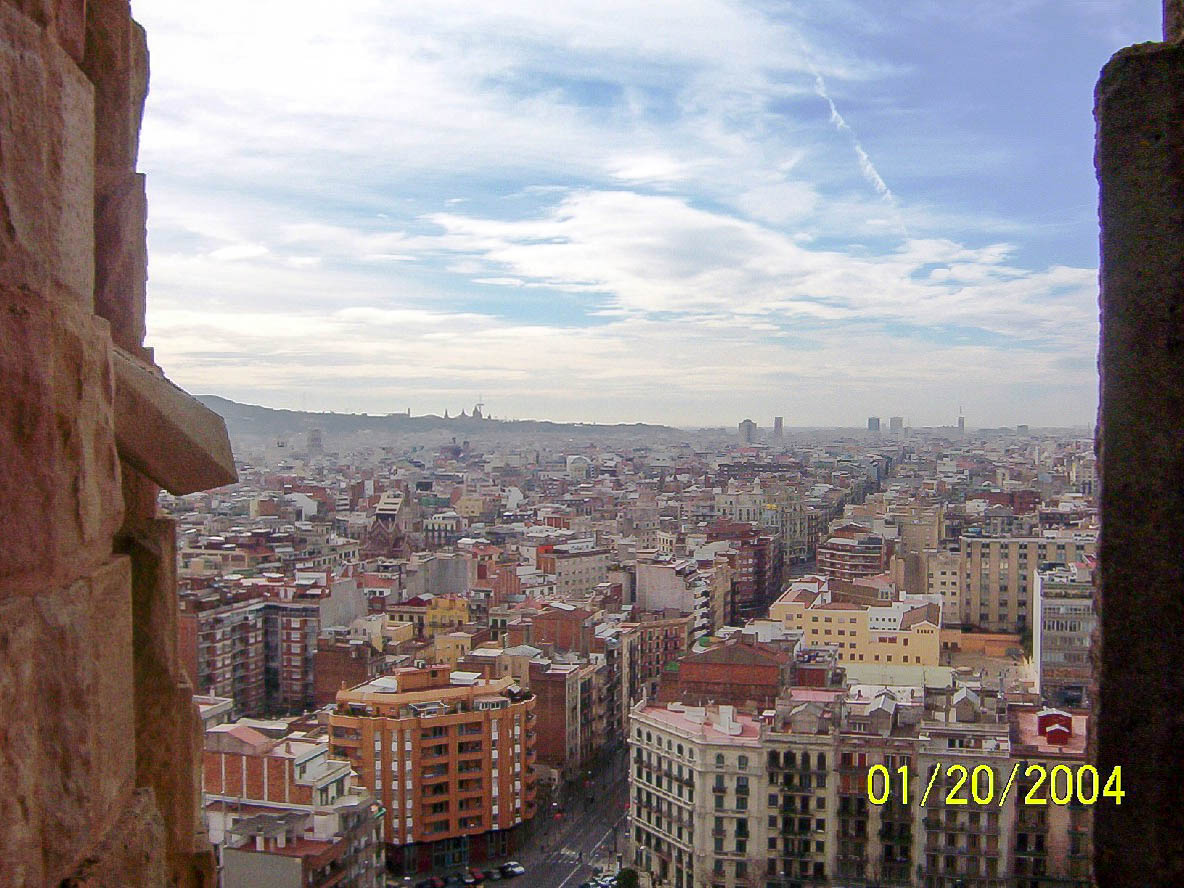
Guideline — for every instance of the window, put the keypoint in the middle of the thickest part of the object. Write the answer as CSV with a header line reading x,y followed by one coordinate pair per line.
x,y
719,761
743,763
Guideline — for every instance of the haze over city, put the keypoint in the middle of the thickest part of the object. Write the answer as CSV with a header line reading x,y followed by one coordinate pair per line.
x,y
597,213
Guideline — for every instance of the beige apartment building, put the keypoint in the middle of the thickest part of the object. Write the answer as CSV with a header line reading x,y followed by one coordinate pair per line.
x,y
720,799
576,573
697,790
999,576
905,631
943,575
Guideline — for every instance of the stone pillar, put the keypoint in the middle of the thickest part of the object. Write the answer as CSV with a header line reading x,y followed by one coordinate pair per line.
x,y
1140,165
98,733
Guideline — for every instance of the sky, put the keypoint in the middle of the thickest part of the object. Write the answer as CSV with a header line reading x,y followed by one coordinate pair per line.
x,y
679,212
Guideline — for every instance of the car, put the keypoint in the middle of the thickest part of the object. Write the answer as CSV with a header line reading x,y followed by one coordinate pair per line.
x,y
493,875
454,879
587,885
478,876
512,868
437,882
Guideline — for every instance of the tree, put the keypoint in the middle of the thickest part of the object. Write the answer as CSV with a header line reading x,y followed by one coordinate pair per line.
x,y
627,878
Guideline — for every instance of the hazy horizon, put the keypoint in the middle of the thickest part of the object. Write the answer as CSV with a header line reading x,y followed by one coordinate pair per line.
x,y
623,212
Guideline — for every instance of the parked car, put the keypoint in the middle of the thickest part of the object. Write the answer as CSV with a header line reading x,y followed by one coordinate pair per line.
x,y
512,868
454,879
478,876
493,875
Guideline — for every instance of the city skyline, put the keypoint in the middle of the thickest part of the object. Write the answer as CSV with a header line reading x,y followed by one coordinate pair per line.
x,y
614,216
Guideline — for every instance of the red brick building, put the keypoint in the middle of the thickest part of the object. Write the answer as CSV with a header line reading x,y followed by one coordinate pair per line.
x,y
343,663
737,673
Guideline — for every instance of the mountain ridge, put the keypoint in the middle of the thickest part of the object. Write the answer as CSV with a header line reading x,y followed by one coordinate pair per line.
x,y
255,419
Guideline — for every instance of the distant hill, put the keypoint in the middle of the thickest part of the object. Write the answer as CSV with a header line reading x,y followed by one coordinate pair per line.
x,y
252,420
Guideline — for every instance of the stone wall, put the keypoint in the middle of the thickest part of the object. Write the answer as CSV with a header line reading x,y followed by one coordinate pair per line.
x,y
1139,660
99,738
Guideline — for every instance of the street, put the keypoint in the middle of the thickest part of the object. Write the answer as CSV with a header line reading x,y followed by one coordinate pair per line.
x,y
563,853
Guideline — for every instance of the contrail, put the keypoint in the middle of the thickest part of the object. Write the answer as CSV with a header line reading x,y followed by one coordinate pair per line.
x,y
865,163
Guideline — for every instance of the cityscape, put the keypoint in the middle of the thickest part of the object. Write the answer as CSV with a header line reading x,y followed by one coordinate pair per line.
x,y
672,652
591,444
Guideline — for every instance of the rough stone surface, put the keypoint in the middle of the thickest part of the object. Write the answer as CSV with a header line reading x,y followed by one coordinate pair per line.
x,y
1140,163
116,61
1173,20
121,257
86,717
58,465
69,26
99,737
46,161
67,720
136,845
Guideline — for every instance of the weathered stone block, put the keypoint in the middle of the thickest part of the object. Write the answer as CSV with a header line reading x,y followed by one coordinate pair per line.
x,y
84,418
37,10
20,745
23,133
132,854
59,471
121,257
28,486
116,63
70,165
85,684
69,26
166,433
47,165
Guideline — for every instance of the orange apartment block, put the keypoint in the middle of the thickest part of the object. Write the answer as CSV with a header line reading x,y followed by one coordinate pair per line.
x,y
449,755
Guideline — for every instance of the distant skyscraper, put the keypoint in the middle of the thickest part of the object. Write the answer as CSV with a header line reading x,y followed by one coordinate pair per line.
x,y
896,424
961,423
873,423
747,432
315,442
1021,430
778,427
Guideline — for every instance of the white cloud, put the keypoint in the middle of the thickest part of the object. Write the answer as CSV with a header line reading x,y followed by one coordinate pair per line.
x,y
329,191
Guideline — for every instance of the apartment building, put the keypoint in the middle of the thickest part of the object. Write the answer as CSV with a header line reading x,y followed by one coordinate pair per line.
x,y
852,552
654,642
570,715
758,566
666,582
343,662
942,570
1062,636
999,575
282,813
1052,843
902,630
450,757
221,645
697,790
576,573
699,814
